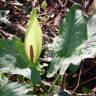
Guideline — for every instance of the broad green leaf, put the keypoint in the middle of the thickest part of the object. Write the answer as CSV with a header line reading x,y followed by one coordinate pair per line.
x,y
33,39
13,58
54,67
89,46
85,50
91,26
13,89
35,77
73,33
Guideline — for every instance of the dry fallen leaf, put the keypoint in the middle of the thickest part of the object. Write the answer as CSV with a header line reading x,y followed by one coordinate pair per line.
x,y
93,7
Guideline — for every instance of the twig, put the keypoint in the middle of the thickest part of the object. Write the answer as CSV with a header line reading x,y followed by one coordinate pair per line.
x,y
2,35
60,3
65,3
3,1
16,27
52,33
75,75
78,83
89,3
46,83
84,82
87,81
5,34
84,4
15,4
74,2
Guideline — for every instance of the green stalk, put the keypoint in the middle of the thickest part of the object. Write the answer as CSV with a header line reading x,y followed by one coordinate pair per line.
x,y
52,86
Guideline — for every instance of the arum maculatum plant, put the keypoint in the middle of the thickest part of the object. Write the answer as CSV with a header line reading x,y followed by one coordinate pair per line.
x,y
33,38
33,45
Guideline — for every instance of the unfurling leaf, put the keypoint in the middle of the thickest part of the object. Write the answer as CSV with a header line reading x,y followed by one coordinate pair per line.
x,y
33,38
44,5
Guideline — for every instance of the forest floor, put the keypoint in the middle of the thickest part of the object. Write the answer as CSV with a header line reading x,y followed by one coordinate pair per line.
x,y
14,16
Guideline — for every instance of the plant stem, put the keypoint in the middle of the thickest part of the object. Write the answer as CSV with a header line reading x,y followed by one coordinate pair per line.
x,y
79,77
53,83
62,83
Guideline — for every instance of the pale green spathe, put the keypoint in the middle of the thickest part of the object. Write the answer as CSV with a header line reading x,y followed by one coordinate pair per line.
x,y
33,38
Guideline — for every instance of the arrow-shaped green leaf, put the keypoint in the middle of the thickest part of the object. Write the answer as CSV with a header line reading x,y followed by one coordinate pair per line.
x,y
66,48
